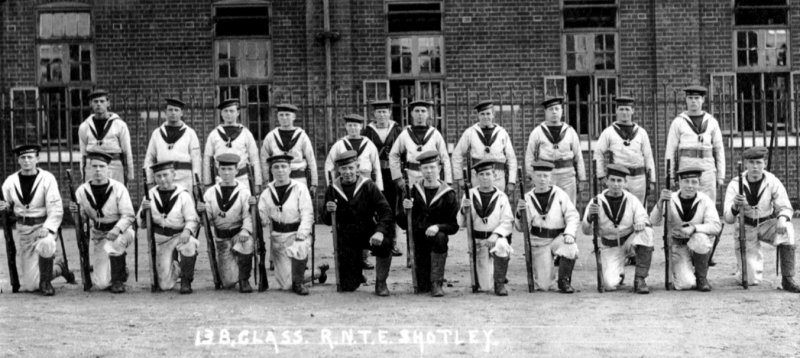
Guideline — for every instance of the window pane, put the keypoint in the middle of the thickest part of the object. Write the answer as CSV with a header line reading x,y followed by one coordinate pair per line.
x,y
86,72
71,24
51,60
401,55
84,25
58,25
46,26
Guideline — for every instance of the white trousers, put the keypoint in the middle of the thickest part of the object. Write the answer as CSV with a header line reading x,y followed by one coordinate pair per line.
x,y
101,250
28,253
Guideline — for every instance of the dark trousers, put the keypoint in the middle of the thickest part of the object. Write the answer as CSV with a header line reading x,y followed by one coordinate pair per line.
x,y
423,247
350,258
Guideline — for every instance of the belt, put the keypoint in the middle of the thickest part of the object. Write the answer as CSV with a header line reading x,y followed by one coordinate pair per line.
x,y
298,174
281,227
756,222
183,166
384,163
546,233
696,153
496,165
31,221
614,242
227,233
679,241
563,163
481,235
637,171
104,226
166,231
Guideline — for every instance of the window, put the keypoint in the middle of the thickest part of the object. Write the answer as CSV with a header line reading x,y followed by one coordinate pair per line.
x,y
583,14
415,43
404,92
590,52
760,12
65,72
762,49
590,62
243,59
374,91
762,61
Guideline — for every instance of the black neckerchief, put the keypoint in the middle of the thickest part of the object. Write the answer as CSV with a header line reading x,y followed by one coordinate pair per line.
x,y
26,185
617,206
171,134
287,138
283,193
553,136
101,193
165,201
487,136
753,192
626,131
229,133
686,210
225,198
703,125
355,144
101,127
383,146
412,132
485,210
543,201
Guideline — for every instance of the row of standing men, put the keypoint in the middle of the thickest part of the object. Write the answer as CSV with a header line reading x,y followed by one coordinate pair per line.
x,y
381,154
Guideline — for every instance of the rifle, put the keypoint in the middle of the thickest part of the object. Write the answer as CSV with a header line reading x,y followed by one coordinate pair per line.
x,y
335,234
526,234
595,218
410,238
742,241
473,271
260,270
151,239
81,237
212,249
313,224
667,253
11,248
64,256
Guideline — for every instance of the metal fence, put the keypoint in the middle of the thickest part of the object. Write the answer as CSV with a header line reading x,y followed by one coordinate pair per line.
x,y
754,118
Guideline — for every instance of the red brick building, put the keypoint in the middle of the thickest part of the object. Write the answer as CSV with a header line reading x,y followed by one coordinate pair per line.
x,y
265,52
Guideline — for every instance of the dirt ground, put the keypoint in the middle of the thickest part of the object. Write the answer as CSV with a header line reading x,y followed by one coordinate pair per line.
x,y
728,321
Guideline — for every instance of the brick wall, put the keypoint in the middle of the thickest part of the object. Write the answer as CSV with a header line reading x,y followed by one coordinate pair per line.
x,y
499,49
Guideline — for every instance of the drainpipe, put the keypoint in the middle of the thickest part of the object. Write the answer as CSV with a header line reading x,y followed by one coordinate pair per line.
x,y
328,37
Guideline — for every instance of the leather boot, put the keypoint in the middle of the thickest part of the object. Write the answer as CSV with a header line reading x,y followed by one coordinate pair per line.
x,y
565,275
396,251
323,273
245,266
365,258
500,269
700,263
45,276
786,253
187,273
644,255
67,274
437,273
298,273
117,273
382,265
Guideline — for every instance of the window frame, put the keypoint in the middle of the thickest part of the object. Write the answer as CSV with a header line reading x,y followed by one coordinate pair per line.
x,y
242,39
593,52
403,33
66,7
367,98
415,67
563,6
761,33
